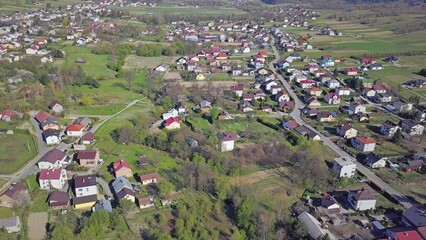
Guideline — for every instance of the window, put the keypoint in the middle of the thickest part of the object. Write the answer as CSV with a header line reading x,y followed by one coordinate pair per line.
x,y
80,189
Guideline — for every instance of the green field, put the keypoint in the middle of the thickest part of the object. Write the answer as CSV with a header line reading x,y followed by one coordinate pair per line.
x,y
14,152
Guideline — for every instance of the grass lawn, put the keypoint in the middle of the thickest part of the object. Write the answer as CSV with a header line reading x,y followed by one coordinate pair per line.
x,y
133,61
14,152
95,66
98,109
38,196
6,212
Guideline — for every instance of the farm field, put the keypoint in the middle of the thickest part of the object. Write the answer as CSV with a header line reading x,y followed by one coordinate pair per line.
x,y
17,144
133,61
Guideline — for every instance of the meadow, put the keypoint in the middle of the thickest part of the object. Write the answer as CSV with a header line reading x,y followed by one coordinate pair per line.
x,y
16,144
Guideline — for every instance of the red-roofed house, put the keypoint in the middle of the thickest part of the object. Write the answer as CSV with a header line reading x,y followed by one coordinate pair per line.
x,y
88,138
403,234
6,115
332,98
172,123
10,197
315,91
52,178
122,168
290,124
307,84
149,178
351,71
75,130
364,144
237,90
222,56
43,116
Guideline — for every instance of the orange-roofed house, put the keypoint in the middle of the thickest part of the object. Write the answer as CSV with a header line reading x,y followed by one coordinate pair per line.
x,y
75,130
122,168
364,144
222,56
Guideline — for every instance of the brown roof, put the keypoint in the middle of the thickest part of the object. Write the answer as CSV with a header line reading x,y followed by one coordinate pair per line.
x,y
53,156
362,195
149,176
85,181
89,136
58,196
87,154
227,137
85,199
42,116
15,189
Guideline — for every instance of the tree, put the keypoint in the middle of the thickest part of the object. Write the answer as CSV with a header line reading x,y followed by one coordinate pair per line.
x,y
222,187
397,136
335,73
166,188
86,101
415,100
126,135
215,113
62,232
130,77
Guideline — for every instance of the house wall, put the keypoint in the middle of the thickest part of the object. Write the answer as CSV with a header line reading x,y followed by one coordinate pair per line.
x,y
146,182
58,184
226,146
52,140
146,206
84,205
351,133
363,205
58,108
129,197
379,164
48,165
369,147
174,125
86,191
75,133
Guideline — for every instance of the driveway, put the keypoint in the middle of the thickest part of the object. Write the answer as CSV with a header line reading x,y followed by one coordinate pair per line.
x,y
37,225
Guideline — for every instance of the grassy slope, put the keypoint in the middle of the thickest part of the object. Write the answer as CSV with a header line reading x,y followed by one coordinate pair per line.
x,y
14,153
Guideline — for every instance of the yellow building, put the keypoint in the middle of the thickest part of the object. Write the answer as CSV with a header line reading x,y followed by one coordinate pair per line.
x,y
84,202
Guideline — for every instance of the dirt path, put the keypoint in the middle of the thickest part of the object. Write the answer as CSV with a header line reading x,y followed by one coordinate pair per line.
x,y
37,225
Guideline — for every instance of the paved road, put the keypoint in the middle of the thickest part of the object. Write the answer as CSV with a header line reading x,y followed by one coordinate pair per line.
x,y
296,114
278,115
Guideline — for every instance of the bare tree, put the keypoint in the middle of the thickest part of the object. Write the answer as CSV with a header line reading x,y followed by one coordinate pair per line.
x,y
22,200
130,77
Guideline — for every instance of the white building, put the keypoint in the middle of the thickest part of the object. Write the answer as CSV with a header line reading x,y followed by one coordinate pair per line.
x,y
361,200
85,185
314,227
363,144
171,113
53,159
52,178
226,141
389,128
344,167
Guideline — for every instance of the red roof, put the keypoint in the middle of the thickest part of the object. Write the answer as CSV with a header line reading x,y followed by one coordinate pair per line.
x,y
171,120
119,164
366,140
222,55
292,124
47,174
75,127
9,113
351,70
307,81
314,89
149,176
42,116
408,235
237,88
87,154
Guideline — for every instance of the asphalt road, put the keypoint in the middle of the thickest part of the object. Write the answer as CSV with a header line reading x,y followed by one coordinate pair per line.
x,y
296,114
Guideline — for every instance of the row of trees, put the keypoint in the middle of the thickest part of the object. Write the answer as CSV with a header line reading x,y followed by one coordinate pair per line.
x,y
176,48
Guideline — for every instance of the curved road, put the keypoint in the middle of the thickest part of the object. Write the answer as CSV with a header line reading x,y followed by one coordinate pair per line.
x,y
296,114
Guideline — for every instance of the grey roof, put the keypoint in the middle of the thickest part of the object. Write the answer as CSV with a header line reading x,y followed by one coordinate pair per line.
x,y
314,227
416,216
9,222
121,183
102,204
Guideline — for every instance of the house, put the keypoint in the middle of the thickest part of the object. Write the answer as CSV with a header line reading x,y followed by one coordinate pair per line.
x,y
344,167
56,107
346,131
226,141
356,107
326,116
11,224
275,89
290,124
343,91
171,113
361,200
58,200
123,189
314,227
286,106
47,121
308,133
368,92
375,161
122,168
52,178
245,107
85,121
161,68
383,97
52,137
149,178
307,84
172,123
403,233
203,107
84,202
282,96
88,138
380,88
75,130
314,91
53,159
332,84
146,202
10,197
413,165
248,97
401,106
85,186
332,98
388,128
31,50
376,66
327,62
411,127
351,71
7,115
414,216
224,116
330,203
363,144
238,90
103,205
181,108
88,158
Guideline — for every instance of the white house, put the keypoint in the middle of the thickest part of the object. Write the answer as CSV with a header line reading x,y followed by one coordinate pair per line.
x,y
75,130
53,159
389,128
346,131
56,107
332,98
171,113
52,137
31,50
85,185
361,200
411,127
343,91
344,167
355,108
333,83
226,141
363,144
375,161
52,178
